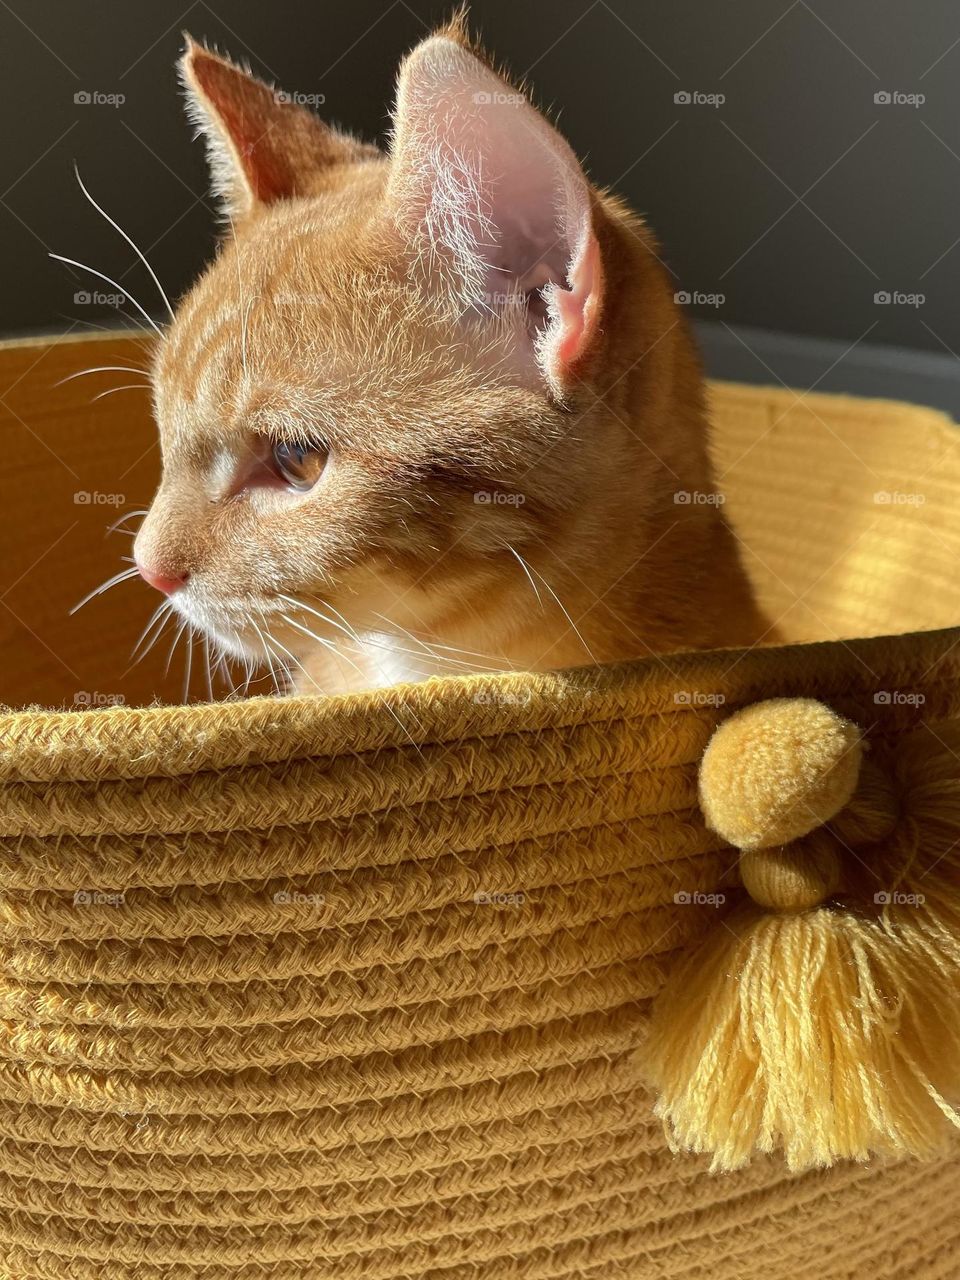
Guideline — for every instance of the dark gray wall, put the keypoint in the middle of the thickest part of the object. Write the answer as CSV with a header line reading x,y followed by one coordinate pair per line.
x,y
798,199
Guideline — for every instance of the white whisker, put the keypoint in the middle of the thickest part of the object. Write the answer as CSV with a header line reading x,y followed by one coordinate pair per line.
x,y
244,311
206,654
293,658
431,648
129,386
161,614
82,266
189,670
350,630
123,576
338,653
321,640
269,656
136,250
222,668
99,368
173,647
573,625
523,565
127,515
299,604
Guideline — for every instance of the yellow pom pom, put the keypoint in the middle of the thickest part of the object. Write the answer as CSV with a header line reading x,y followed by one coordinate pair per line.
x,y
776,770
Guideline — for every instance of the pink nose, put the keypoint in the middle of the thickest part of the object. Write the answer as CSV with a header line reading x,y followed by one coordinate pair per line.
x,y
168,583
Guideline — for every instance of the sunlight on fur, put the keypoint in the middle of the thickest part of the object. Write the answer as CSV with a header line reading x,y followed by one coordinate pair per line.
x,y
430,410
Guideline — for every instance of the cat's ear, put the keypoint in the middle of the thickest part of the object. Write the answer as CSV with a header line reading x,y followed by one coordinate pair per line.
x,y
262,145
490,190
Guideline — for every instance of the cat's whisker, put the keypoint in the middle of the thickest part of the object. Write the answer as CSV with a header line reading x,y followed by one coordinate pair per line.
x,y
425,648
370,641
100,368
350,629
269,657
321,640
116,226
127,515
243,336
124,576
189,665
335,649
563,610
244,310
293,658
248,675
206,655
526,569
82,266
434,646
162,615
338,653
129,386
346,629
173,648
222,668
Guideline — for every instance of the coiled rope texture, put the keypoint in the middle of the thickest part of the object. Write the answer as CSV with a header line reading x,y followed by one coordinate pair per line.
x,y
353,991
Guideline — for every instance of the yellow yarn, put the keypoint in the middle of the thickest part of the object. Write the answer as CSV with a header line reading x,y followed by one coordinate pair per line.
x,y
827,1032
793,877
776,770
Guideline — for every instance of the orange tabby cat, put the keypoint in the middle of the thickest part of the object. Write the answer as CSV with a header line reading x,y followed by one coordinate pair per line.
x,y
430,410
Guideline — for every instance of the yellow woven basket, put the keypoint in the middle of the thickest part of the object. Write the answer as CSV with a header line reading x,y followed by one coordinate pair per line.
x,y
325,990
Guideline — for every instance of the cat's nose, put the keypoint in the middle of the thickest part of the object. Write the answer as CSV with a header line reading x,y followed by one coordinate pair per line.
x,y
168,583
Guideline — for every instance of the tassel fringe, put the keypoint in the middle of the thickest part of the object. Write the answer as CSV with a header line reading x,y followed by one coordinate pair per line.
x,y
831,1033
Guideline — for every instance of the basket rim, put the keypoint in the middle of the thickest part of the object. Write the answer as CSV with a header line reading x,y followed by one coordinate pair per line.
x,y
162,740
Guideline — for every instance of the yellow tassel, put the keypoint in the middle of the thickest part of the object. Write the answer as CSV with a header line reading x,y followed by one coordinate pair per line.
x,y
827,1032
824,1035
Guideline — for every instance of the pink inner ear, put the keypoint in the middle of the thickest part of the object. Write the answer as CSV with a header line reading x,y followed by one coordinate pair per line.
x,y
481,172
578,307
246,111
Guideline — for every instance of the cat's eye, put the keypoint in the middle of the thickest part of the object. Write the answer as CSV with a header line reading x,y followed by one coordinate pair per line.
x,y
299,465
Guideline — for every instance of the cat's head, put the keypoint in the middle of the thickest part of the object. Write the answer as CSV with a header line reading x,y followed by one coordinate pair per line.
x,y
379,401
